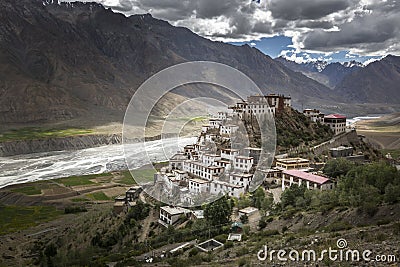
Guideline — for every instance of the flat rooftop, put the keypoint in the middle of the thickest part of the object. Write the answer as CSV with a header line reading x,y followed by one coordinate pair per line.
x,y
174,210
227,184
244,157
253,148
246,175
248,210
212,155
199,181
235,237
229,149
340,148
292,160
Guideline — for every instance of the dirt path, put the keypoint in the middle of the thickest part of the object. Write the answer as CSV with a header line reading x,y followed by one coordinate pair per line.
x,y
276,192
146,225
142,197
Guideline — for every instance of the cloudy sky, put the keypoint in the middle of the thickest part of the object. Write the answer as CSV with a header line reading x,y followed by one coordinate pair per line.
x,y
336,30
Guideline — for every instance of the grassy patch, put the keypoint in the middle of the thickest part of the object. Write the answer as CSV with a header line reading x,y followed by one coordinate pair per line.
x,y
28,190
80,199
159,165
74,209
33,133
15,218
143,175
98,196
126,178
77,180
85,179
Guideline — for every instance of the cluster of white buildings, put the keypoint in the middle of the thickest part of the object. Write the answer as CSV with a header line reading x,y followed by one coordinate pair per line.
x,y
336,122
223,172
200,170
204,170
261,104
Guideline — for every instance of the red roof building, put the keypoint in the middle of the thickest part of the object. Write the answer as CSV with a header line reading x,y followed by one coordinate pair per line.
x,y
310,180
336,122
335,116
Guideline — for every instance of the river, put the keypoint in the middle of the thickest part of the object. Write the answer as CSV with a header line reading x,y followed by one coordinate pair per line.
x,y
57,164
352,121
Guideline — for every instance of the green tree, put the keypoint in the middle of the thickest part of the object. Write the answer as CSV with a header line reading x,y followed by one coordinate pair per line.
x,y
291,195
50,250
258,197
392,193
244,219
218,212
262,223
244,201
337,167
268,202
138,212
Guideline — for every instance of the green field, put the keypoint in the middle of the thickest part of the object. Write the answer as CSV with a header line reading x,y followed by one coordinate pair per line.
x,y
80,199
127,178
78,180
143,175
28,190
98,196
15,218
33,133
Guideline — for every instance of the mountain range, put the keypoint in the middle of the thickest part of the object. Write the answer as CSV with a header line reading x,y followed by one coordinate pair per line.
x,y
81,61
329,74
378,82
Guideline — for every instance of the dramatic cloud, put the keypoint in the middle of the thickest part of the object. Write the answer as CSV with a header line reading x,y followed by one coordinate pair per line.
x,y
306,9
357,26
376,31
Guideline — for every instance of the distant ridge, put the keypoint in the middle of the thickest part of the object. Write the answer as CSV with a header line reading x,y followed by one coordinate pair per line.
x,y
378,82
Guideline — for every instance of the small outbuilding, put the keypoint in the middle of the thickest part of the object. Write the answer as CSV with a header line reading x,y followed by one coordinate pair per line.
x,y
248,211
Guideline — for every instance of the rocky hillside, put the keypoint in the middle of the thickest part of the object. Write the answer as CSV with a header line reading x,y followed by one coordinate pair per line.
x,y
72,60
294,129
378,82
